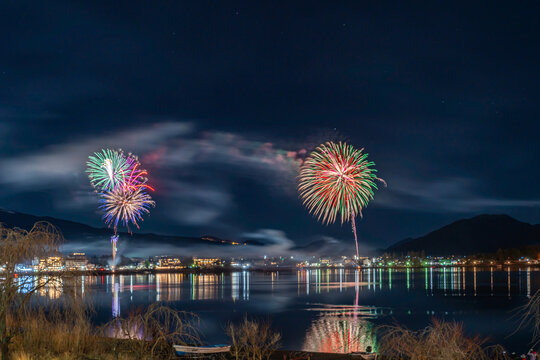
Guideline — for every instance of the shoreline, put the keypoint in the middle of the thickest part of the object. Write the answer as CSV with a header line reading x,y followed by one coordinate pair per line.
x,y
219,270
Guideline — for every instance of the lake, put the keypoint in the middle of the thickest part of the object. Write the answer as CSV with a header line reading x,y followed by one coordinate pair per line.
x,y
324,310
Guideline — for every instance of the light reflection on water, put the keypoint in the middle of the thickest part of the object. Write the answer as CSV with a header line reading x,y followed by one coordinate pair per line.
x,y
340,329
334,310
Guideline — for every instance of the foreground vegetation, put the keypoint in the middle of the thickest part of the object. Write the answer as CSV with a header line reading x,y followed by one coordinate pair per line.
x,y
64,332
62,329
440,340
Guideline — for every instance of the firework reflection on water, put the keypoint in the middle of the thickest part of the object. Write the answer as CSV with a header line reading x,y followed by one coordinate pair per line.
x,y
341,329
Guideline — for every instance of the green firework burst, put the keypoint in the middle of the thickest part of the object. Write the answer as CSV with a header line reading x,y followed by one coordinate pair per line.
x,y
107,169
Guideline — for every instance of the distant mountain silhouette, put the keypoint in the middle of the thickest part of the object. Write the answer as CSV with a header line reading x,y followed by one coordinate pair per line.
x,y
74,231
480,234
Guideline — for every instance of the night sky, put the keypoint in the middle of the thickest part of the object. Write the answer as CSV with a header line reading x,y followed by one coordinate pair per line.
x,y
217,98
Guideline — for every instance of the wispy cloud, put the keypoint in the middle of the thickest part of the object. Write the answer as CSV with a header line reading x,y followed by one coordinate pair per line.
x,y
196,204
460,195
230,150
275,242
271,242
62,163
330,246
193,172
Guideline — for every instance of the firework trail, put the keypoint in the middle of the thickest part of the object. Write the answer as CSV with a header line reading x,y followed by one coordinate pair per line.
x,y
337,180
107,169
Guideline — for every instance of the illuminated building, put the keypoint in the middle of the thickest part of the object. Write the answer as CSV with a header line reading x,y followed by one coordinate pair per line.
x,y
169,263
52,263
199,262
76,261
145,265
364,261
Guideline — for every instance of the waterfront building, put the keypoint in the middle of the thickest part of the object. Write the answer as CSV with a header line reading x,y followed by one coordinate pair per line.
x,y
76,261
169,263
206,262
51,263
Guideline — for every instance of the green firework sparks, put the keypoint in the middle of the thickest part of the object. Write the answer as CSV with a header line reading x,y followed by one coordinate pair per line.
x,y
107,169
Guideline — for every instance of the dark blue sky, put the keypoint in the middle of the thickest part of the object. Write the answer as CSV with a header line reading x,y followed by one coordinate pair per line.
x,y
212,95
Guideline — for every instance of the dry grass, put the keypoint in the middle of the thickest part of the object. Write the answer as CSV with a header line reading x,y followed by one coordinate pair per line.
x,y
441,341
252,340
69,356
152,333
529,315
63,331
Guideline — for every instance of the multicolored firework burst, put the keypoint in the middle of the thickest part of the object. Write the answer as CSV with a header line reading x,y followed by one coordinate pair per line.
x,y
337,179
107,169
122,184
125,205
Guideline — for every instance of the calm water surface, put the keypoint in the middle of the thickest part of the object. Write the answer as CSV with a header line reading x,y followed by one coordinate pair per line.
x,y
331,310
